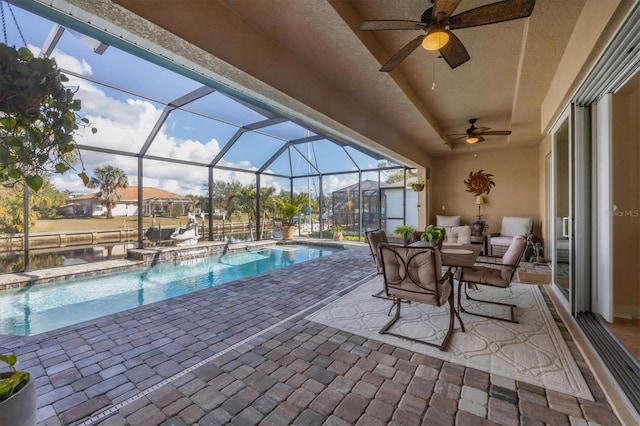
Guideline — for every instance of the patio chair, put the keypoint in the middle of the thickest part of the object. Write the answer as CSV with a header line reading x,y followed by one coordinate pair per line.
x,y
501,275
511,226
374,238
455,233
413,274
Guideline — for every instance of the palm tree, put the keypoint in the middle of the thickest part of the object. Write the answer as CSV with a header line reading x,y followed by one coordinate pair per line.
x,y
108,179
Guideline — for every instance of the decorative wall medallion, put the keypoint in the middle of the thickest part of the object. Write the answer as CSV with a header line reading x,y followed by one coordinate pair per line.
x,y
479,182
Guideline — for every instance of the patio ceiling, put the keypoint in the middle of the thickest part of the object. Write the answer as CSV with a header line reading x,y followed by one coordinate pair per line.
x,y
335,66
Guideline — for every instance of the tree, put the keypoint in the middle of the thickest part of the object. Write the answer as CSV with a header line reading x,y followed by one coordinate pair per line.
x,y
224,196
397,176
108,179
38,118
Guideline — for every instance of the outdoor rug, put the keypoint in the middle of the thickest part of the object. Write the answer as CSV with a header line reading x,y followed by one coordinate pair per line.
x,y
532,351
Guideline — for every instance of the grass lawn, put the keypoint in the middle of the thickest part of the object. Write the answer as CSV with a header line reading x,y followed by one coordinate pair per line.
x,y
85,223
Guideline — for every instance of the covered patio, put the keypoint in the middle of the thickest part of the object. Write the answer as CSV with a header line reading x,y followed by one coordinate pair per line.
x,y
245,353
285,103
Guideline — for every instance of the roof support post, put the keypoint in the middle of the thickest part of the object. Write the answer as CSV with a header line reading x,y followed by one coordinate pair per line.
x,y
360,199
258,205
210,207
25,231
140,204
320,207
404,198
379,206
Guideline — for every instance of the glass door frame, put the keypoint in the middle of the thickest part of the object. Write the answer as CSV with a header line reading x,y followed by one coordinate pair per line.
x,y
579,222
563,120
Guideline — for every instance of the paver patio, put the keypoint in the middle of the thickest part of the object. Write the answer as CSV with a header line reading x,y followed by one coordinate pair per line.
x,y
242,353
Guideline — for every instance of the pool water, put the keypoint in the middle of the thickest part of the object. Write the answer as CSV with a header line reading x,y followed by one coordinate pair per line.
x,y
38,309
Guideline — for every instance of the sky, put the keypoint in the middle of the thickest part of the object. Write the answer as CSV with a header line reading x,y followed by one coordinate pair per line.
x,y
124,122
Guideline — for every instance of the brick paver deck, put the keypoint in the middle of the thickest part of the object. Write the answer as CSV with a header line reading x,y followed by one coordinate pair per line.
x,y
242,353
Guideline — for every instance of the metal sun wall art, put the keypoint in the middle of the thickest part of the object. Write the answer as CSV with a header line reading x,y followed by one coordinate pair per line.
x,y
479,182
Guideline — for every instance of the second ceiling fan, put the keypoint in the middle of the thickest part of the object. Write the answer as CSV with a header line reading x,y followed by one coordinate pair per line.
x,y
437,23
475,134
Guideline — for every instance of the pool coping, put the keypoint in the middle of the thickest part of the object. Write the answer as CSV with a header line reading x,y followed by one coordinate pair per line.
x,y
140,258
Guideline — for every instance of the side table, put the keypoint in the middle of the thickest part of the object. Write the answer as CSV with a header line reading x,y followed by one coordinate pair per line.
x,y
481,239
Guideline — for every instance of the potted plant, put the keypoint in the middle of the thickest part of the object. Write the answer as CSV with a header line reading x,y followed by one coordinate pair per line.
x,y
417,186
406,232
536,257
288,211
38,118
337,232
434,234
17,395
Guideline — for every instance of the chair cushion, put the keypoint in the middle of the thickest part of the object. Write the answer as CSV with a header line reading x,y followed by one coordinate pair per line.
x,y
482,275
447,220
375,238
512,257
512,226
458,234
501,241
417,283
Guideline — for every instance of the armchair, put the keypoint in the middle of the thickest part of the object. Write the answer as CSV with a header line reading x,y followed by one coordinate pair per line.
x,y
454,232
511,226
414,274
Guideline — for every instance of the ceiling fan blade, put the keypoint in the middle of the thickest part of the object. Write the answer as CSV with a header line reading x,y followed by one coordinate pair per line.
x,y
387,25
401,54
506,10
497,133
454,52
480,130
444,8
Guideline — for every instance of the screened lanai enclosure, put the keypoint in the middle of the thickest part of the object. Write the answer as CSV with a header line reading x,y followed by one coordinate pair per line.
x,y
174,148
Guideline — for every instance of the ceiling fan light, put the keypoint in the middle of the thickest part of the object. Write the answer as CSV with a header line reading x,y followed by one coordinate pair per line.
x,y
435,39
473,139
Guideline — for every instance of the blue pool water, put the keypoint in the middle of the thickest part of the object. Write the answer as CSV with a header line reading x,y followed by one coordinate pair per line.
x,y
37,309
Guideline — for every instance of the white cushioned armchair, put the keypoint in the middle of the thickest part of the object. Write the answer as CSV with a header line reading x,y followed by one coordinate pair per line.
x,y
511,226
454,232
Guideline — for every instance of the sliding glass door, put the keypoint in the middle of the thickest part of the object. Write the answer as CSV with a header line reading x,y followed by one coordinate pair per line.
x,y
561,221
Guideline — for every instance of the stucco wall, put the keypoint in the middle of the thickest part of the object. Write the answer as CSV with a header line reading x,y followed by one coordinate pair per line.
x,y
516,192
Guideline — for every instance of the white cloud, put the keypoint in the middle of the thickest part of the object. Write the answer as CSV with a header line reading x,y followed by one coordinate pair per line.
x,y
124,123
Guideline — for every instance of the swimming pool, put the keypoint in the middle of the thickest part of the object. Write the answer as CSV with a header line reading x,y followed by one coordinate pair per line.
x,y
37,309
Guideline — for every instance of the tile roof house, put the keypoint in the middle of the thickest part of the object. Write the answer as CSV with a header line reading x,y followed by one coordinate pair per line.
x,y
155,201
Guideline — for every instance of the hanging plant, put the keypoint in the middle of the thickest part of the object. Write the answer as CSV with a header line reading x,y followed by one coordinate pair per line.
x,y
417,186
38,118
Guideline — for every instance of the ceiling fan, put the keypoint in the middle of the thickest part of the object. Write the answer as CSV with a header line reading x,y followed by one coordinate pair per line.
x,y
437,23
475,134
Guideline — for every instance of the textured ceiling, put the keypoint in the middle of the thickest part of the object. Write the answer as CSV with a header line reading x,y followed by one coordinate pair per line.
x,y
313,52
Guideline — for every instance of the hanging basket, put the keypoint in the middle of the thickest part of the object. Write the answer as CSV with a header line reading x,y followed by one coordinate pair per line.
x,y
418,187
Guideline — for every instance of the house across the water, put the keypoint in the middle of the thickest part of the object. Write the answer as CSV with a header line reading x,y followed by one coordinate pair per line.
x,y
154,201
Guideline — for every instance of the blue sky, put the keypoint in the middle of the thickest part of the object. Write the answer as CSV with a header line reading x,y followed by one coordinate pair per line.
x,y
124,121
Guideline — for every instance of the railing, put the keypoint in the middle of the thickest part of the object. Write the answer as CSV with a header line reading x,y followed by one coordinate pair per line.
x,y
51,240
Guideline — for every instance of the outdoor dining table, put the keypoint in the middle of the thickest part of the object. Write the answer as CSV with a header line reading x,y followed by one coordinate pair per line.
x,y
455,255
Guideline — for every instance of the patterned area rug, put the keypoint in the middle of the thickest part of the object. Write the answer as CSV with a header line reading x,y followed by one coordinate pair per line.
x,y
531,351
